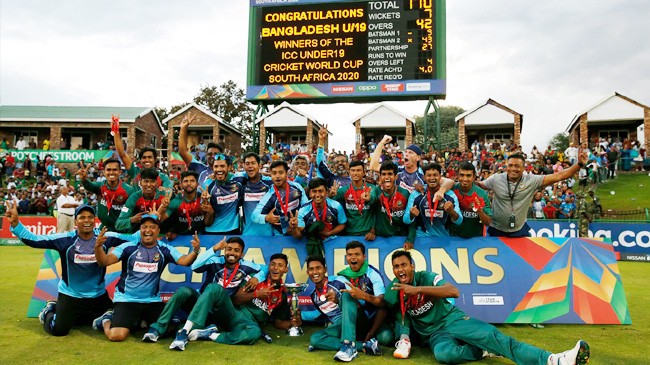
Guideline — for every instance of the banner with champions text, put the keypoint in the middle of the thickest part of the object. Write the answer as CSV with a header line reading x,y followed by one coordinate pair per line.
x,y
523,280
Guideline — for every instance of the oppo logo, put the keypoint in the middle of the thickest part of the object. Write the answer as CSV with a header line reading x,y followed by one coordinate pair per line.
x,y
367,88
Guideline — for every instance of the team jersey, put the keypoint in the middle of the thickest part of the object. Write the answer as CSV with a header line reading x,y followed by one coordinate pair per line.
x,y
112,200
201,168
331,310
433,219
81,277
185,217
326,173
217,272
360,218
427,315
275,306
297,197
407,180
391,223
225,199
136,203
372,283
141,270
332,214
163,179
252,194
471,225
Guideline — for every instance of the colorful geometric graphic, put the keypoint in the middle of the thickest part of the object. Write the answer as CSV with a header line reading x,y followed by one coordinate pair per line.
x,y
290,91
580,277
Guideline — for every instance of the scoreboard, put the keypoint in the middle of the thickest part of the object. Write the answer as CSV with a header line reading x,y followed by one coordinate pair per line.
x,y
319,51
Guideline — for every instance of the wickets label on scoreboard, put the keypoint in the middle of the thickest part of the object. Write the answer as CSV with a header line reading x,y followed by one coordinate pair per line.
x,y
329,51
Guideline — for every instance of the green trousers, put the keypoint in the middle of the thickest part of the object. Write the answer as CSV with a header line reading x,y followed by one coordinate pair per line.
x,y
234,329
464,340
353,325
184,298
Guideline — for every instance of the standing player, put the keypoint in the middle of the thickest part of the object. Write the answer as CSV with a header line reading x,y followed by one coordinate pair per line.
x,y
255,186
141,202
113,192
225,197
281,202
391,206
137,294
453,336
148,159
430,215
357,199
321,218
203,169
474,203
342,175
189,212
82,290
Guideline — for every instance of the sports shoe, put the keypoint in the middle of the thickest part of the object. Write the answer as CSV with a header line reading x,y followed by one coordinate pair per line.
x,y
180,341
489,354
311,348
403,349
50,306
151,336
202,335
98,323
578,355
347,352
371,347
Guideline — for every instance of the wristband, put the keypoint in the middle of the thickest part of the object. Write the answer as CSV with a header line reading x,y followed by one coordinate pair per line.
x,y
197,251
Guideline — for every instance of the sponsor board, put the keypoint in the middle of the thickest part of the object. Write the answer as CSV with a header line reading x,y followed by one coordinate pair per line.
x,y
392,88
538,280
342,89
418,86
631,238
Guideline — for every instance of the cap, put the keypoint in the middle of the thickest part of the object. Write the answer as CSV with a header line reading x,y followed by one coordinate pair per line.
x,y
81,208
415,149
151,217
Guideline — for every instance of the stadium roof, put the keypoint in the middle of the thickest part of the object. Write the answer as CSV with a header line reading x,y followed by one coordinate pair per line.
x,y
614,107
206,112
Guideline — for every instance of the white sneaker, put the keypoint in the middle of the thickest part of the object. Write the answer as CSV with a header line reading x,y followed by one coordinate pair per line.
x,y
578,355
403,349
489,354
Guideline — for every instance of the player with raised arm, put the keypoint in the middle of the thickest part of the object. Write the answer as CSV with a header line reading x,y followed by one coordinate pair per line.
x,y
203,169
113,192
137,293
82,290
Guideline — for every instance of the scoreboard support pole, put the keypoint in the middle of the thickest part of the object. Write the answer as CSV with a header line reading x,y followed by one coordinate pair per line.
x,y
432,102
261,109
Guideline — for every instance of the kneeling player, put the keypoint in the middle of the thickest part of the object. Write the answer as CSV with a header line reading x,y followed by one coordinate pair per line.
x,y
453,336
137,294
82,291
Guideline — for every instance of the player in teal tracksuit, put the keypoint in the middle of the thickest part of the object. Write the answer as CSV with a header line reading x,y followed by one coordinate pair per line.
x,y
419,302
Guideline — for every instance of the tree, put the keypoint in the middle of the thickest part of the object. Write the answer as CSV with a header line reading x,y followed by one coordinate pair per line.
x,y
228,102
448,127
559,142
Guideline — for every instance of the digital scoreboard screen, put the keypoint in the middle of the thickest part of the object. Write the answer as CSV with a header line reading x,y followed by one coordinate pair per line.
x,y
319,51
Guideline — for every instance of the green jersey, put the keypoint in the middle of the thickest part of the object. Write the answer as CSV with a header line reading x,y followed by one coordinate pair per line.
x,y
471,225
389,214
360,217
110,201
163,179
426,315
259,310
136,203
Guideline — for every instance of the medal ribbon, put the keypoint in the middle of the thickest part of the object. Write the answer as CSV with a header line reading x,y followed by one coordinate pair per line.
x,y
435,206
226,280
388,204
360,203
109,194
285,206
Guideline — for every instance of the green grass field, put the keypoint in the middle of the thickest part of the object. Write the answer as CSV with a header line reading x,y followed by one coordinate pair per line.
x,y
23,340
631,191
